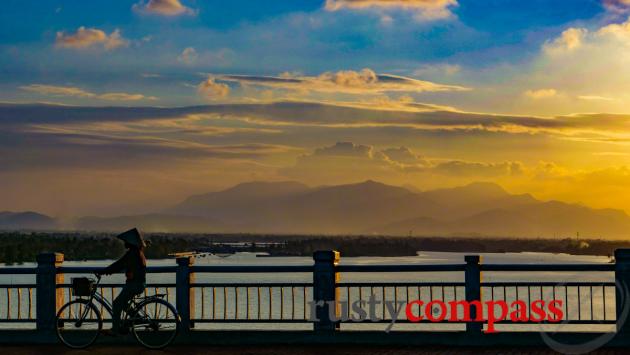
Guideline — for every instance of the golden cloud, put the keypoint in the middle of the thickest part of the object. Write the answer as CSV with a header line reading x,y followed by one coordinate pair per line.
x,y
570,39
365,81
57,90
164,8
90,37
121,96
425,9
209,88
541,93
595,98
71,91
620,31
347,162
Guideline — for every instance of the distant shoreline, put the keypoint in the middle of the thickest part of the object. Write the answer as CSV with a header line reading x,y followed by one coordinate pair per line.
x,y
16,247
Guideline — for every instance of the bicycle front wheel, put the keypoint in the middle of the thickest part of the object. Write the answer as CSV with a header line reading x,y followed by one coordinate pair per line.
x,y
154,323
78,324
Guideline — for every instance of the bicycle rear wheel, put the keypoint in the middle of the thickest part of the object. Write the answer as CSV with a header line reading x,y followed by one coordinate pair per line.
x,y
78,324
154,323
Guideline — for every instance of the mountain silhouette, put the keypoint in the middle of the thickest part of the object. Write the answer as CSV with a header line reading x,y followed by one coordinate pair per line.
x,y
474,198
26,220
529,219
369,207
290,207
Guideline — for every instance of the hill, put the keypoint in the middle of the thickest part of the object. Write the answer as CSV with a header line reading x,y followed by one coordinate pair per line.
x,y
26,221
371,207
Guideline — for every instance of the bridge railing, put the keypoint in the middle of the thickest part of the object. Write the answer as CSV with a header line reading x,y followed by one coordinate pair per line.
x,y
326,302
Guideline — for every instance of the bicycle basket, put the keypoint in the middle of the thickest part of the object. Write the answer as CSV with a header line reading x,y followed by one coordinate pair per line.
x,y
82,286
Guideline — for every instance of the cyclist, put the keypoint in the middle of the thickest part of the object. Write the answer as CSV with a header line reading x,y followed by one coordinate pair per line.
x,y
135,265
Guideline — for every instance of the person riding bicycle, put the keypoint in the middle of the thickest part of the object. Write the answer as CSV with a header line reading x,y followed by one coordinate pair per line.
x,y
135,266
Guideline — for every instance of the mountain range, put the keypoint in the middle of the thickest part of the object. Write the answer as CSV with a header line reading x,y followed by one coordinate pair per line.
x,y
26,220
482,209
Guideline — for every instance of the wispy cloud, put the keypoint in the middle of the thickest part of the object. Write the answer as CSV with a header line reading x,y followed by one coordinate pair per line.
x,y
90,37
595,98
163,8
423,9
188,56
302,114
365,81
617,6
541,93
72,91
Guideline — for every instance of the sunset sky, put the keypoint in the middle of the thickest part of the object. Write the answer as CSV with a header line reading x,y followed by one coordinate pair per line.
x,y
118,107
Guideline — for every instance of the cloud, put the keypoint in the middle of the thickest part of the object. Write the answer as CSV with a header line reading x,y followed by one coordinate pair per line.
x,y
464,168
345,149
90,37
78,92
300,116
595,98
569,64
617,6
620,31
574,38
423,9
121,96
570,39
403,155
57,90
163,8
213,90
58,148
541,93
365,81
438,70
343,162
188,56
348,162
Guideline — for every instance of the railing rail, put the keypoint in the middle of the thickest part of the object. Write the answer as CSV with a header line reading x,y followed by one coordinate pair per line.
x,y
402,268
252,269
326,301
548,267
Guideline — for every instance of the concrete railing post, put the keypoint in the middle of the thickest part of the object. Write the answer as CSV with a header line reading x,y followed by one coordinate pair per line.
x,y
472,277
622,280
48,299
185,297
325,292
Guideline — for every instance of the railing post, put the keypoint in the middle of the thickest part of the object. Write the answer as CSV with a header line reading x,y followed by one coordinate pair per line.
x,y
48,299
622,281
325,292
185,297
472,278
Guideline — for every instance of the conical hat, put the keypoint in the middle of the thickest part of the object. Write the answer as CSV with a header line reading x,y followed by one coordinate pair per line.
x,y
133,237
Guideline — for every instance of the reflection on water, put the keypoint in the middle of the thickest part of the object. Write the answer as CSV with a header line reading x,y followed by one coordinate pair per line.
x,y
289,302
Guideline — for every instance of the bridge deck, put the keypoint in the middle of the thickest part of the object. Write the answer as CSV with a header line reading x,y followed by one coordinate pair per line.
x,y
361,339
293,350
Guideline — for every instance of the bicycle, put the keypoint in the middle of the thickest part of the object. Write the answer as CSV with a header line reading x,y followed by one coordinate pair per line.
x,y
153,321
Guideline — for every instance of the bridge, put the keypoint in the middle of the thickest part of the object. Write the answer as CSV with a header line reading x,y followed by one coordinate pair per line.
x,y
321,310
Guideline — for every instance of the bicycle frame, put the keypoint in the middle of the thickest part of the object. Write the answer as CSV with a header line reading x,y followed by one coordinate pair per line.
x,y
95,296
137,318
131,309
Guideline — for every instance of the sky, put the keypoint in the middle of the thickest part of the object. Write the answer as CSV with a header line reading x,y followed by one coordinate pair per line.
x,y
111,108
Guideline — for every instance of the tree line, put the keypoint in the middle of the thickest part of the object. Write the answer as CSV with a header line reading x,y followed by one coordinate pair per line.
x,y
18,247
